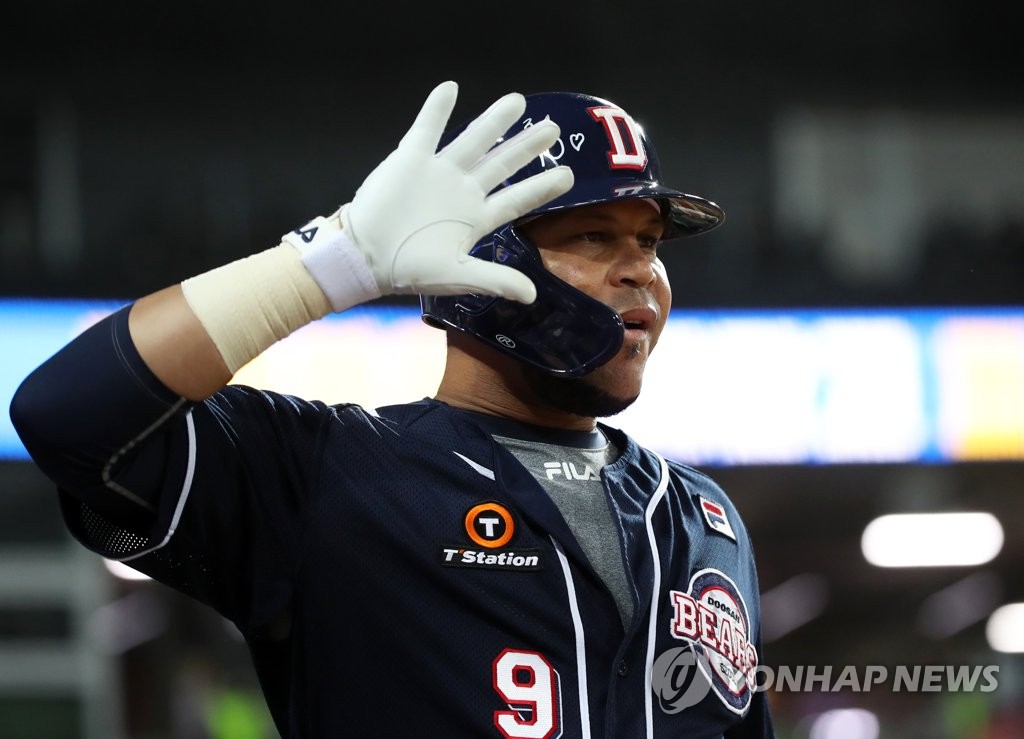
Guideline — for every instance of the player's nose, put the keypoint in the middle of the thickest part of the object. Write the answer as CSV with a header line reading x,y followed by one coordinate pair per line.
x,y
634,265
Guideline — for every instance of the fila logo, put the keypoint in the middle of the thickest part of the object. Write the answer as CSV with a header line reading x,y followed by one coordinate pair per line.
x,y
308,234
716,518
627,150
489,525
569,471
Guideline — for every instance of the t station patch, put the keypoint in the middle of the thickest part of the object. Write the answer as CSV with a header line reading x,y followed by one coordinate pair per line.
x,y
712,616
490,527
526,560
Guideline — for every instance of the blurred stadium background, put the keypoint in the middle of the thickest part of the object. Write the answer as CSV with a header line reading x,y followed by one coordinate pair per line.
x,y
870,157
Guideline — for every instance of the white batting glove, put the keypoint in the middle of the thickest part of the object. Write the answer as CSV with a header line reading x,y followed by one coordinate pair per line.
x,y
417,215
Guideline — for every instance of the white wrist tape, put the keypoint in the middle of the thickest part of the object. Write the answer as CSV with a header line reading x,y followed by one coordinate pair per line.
x,y
246,306
334,260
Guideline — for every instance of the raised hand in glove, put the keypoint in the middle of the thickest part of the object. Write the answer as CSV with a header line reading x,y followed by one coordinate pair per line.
x,y
417,215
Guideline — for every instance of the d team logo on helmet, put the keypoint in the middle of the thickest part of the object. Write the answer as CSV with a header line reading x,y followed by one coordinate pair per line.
x,y
712,616
490,526
624,137
623,155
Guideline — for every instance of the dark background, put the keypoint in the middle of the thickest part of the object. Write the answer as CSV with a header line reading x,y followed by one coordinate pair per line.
x,y
143,143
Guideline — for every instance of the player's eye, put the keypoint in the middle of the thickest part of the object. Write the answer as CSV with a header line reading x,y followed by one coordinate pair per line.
x,y
649,242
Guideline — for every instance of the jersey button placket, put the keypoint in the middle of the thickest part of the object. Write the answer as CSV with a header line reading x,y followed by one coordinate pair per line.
x,y
623,669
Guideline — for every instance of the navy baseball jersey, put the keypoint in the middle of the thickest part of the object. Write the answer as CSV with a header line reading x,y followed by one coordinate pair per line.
x,y
400,573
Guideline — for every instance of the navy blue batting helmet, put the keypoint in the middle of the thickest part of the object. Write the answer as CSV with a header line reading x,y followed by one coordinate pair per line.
x,y
565,332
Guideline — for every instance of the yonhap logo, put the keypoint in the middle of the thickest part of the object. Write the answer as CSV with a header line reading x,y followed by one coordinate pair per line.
x,y
678,681
680,678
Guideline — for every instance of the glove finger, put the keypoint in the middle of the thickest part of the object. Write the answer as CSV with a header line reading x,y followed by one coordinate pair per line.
x,y
489,278
503,161
513,202
482,133
426,130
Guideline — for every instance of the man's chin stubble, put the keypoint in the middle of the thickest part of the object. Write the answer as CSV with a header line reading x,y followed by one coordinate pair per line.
x,y
575,395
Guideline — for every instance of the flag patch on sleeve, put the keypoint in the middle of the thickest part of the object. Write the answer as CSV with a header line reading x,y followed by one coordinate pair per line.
x,y
716,518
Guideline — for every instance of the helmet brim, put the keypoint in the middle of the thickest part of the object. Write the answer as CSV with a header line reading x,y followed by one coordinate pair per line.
x,y
686,215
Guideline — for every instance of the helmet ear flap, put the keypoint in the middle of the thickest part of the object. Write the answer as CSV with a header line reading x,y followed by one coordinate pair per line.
x,y
456,311
499,250
564,332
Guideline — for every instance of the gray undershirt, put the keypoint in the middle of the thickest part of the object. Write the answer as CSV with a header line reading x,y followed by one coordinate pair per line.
x,y
572,477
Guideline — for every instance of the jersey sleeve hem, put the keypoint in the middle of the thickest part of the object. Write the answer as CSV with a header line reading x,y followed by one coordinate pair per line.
x,y
123,543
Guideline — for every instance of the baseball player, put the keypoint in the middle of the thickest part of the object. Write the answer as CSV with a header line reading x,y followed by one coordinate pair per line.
x,y
488,562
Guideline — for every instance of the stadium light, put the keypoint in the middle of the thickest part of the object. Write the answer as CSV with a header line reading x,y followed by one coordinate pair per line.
x,y
1005,628
932,539
845,723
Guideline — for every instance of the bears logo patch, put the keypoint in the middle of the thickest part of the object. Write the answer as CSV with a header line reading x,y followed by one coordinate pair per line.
x,y
712,616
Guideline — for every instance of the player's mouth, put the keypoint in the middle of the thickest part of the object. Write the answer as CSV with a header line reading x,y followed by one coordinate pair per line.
x,y
639,321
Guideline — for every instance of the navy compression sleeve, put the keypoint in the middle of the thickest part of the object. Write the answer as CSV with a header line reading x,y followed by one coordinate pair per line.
x,y
86,406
